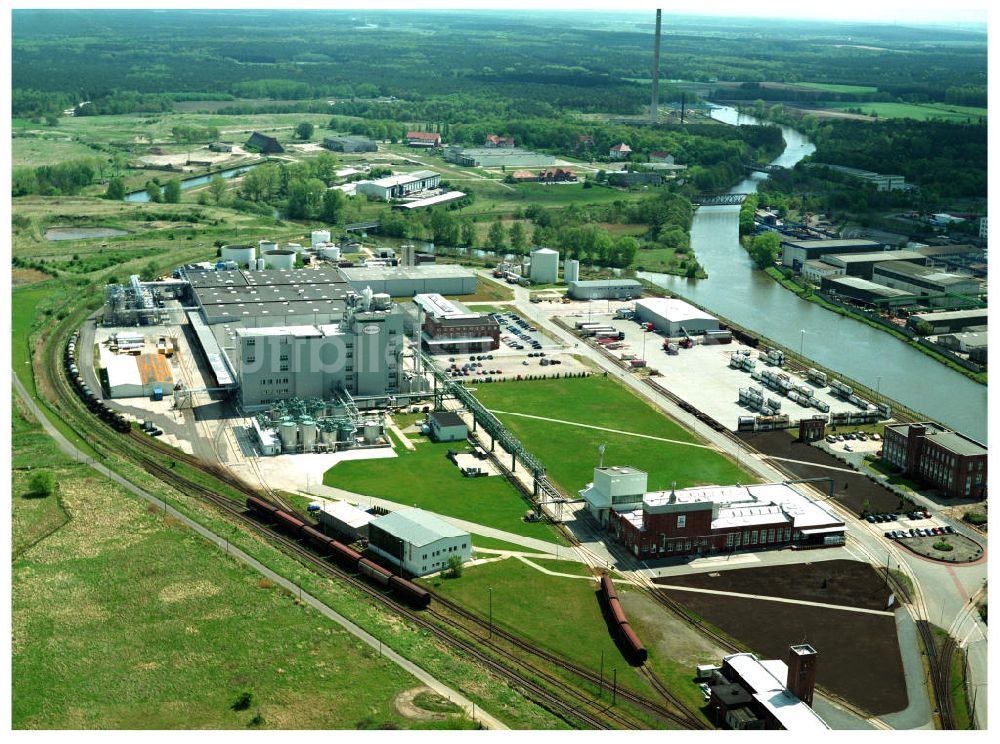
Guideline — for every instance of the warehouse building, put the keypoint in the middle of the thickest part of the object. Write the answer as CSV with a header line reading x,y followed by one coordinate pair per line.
x,y
350,143
601,289
396,187
136,376
794,253
544,266
816,269
865,292
952,320
346,521
880,181
447,426
419,542
482,157
672,316
968,343
944,459
409,281
862,264
749,693
923,281
450,327
423,139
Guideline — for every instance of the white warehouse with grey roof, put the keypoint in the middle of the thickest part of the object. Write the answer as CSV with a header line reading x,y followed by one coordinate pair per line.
x,y
419,541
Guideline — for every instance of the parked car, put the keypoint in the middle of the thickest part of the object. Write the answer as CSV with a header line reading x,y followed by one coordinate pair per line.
x,y
870,519
949,530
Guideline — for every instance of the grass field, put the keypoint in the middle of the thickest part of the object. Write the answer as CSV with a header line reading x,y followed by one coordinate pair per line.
x,y
35,151
570,452
24,314
919,111
427,479
124,620
837,88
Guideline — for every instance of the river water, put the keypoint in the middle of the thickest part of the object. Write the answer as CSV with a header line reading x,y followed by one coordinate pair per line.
x,y
755,301
187,183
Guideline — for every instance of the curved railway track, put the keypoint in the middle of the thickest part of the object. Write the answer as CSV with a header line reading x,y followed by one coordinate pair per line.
x,y
550,691
939,661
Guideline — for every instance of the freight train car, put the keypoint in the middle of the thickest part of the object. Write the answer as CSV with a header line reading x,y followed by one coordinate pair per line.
x,y
630,642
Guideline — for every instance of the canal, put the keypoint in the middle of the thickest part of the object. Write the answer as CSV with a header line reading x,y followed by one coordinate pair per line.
x,y
189,183
752,299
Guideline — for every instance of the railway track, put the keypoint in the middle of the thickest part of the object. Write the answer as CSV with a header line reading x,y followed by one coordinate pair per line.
x,y
563,699
939,661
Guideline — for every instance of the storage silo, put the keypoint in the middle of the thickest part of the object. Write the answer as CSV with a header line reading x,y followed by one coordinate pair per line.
x,y
244,255
544,266
308,434
371,431
319,236
381,301
571,270
297,247
263,246
288,430
345,434
329,251
279,259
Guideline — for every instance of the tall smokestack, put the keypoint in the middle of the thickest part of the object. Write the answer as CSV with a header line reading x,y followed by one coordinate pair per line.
x,y
654,108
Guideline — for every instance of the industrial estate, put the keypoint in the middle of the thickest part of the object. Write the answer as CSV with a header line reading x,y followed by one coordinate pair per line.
x,y
511,489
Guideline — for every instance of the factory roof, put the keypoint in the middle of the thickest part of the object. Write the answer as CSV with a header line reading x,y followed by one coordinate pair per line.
x,y
404,178
876,256
153,368
122,369
914,271
346,513
856,282
272,293
297,331
952,315
275,277
446,418
237,312
604,283
949,440
201,278
973,339
765,680
947,250
673,309
439,307
431,200
831,244
217,360
417,526
430,271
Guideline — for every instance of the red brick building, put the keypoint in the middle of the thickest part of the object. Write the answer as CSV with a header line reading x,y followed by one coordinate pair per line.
x,y
450,327
944,459
423,139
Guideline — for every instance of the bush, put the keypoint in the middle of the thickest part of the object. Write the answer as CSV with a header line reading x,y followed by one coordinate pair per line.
x,y
943,546
42,483
454,567
243,700
974,517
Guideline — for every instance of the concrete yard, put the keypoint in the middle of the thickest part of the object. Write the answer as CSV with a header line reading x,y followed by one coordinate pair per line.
x,y
700,375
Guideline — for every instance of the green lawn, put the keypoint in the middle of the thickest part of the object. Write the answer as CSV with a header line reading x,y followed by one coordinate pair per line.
x,y
570,452
560,614
124,620
36,151
919,111
427,479
483,541
24,312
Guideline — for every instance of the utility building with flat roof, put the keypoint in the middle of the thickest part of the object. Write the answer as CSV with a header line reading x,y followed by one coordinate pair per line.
x,y
670,315
449,326
951,320
601,289
396,187
418,541
408,281
447,426
924,281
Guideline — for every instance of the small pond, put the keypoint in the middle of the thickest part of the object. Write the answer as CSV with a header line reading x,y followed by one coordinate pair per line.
x,y
80,233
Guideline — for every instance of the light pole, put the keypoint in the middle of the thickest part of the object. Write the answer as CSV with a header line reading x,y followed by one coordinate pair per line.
x,y
802,340
878,384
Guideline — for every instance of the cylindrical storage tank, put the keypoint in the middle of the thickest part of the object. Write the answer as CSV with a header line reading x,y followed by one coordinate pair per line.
x,y
544,266
319,236
371,431
345,433
308,435
266,245
244,255
571,270
381,301
297,247
328,435
280,259
329,251
288,430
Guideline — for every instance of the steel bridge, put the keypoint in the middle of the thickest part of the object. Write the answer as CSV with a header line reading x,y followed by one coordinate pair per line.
x,y
359,226
715,200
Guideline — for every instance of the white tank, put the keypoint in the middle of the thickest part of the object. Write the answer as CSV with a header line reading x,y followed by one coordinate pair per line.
x,y
571,270
319,236
297,247
266,245
329,251
244,255
308,435
289,433
371,431
544,266
279,259
381,301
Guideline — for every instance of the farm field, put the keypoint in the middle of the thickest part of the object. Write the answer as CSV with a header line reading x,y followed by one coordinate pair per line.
x,y
570,452
919,111
155,629
427,479
859,654
837,88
